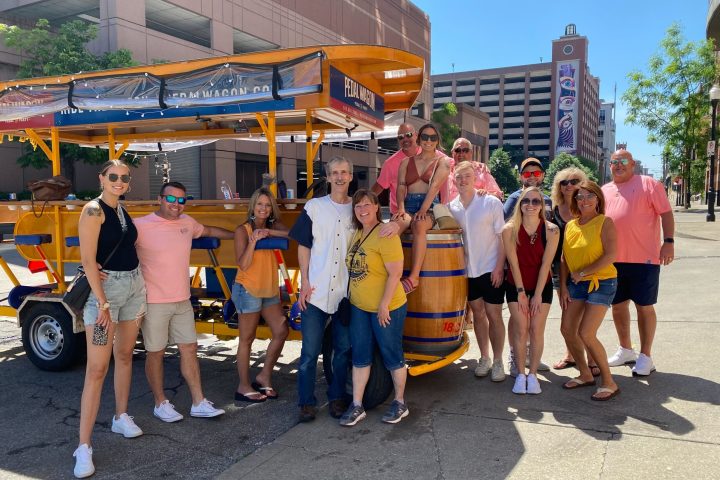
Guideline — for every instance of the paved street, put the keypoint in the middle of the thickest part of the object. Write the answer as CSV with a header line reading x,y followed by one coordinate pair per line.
x,y
663,426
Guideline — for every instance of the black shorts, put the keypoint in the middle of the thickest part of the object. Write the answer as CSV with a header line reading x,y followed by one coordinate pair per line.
x,y
482,287
512,296
638,282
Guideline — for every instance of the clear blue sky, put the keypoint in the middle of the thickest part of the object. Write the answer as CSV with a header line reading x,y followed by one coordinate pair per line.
x,y
623,34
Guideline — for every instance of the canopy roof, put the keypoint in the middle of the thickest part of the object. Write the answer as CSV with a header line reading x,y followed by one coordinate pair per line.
x,y
309,89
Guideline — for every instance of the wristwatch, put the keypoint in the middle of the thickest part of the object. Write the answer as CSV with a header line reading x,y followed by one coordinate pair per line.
x,y
669,240
582,274
520,290
104,306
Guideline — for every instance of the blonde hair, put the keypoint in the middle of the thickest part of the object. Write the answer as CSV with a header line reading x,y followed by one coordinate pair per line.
x,y
274,216
464,165
556,193
515,221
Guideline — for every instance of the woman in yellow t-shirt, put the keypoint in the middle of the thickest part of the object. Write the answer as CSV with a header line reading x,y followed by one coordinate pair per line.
x,y
255,291
588,281
378,306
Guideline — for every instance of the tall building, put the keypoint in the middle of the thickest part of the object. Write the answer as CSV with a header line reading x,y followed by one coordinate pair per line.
x,y
542,108
606,136
175,30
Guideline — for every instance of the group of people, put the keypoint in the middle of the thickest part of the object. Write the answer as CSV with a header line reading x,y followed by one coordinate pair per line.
x,y
599,248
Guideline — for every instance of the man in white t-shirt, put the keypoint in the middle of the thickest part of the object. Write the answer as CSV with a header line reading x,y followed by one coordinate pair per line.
x,y
163,247
481,218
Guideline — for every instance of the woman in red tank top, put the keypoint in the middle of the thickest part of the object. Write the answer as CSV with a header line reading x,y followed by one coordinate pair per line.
x,y
530,244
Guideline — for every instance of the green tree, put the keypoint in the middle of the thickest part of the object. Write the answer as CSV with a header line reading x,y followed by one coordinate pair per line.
x,y
671,99
444,119
564,160
516,154
47,52
504,173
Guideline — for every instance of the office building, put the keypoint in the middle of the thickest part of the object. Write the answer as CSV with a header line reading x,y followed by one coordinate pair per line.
x,y
606,136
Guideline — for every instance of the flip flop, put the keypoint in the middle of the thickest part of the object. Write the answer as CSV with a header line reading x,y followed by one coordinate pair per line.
x,y
252,397
407,285
577,383
265,390
563,364
613,393
595,370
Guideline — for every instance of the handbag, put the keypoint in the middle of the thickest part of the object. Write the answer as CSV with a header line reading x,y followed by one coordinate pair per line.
x,y
79,289
55,188
343,311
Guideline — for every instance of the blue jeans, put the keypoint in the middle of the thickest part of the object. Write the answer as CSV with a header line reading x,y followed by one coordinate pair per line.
x,y
313,330
366,332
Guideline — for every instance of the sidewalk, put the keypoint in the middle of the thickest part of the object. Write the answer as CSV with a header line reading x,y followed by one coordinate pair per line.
x,y
663,426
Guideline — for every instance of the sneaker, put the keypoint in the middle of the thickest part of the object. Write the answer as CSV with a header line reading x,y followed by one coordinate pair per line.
x,y
511,364
542,366
483,367
498,371
520,387
205,409
533,386
644,366
83,461
623,356
126,426
307,413
352,415
337,408
167,413
396,412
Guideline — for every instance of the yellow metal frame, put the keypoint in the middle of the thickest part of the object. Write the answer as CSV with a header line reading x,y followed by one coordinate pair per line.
x,y
434,362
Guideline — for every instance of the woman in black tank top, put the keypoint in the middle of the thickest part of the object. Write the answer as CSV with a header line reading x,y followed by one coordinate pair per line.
x,y
113,310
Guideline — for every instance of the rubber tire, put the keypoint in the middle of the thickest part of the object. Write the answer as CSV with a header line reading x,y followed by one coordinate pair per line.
x,y
380,384
48,338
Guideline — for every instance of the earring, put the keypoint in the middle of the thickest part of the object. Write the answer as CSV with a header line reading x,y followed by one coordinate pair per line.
x,y
252,218
128,190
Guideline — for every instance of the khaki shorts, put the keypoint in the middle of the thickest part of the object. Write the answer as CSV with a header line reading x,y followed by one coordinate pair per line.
x,y
168,323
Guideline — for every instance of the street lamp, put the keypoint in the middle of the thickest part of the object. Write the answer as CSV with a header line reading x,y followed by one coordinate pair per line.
x,y
714,98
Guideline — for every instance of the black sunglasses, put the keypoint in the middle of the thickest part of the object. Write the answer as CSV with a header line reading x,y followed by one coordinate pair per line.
x,y
572,181
431,138
113,177
461,150
405,135
531,201
173,198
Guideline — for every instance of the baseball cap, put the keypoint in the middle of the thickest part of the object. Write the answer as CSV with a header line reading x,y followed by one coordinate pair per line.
x,y
531,161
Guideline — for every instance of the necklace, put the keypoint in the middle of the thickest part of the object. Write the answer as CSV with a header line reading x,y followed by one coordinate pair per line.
x,y
121,217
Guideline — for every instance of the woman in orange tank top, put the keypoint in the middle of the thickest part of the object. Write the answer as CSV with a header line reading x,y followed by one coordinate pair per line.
x,y
255,292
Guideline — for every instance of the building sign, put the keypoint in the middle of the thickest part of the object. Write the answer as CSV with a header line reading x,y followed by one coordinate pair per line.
x,y
355,99
566,134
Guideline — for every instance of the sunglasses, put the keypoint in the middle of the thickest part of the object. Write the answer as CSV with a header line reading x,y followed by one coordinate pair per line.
x,y
535,202
113,177
405,135
572,181
461,150
173,198
536,173
619,161
581,198
428,138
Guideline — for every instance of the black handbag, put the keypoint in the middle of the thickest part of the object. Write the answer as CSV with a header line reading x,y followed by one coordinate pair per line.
x,y
343,311
78,289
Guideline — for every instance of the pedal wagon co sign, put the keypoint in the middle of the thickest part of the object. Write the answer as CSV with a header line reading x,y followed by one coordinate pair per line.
x,y
355,99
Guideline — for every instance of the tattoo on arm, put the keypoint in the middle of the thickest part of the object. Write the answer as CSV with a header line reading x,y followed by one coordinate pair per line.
x,y
93,211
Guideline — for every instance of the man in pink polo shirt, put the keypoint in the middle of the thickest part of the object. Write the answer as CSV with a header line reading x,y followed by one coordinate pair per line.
x,y
639,206
163,247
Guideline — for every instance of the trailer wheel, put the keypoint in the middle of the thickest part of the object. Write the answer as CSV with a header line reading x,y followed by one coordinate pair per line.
x,y
379,384
48,338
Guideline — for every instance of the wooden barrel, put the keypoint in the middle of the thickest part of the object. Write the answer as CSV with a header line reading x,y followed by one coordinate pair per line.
x,y
436,309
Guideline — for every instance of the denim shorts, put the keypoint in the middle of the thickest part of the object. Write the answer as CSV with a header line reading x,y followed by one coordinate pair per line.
x,y
600,296
125,291
246,303
366,332
413,202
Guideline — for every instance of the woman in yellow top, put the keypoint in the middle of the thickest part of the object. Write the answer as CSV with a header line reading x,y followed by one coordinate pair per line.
x,y
378,307
255,291
588,281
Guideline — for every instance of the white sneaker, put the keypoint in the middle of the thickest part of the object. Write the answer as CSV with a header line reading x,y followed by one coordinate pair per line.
x,y
533,386
623,356
83,461
483,367
520,387
643,367
167,413
205,409
542,366
126,426
498,371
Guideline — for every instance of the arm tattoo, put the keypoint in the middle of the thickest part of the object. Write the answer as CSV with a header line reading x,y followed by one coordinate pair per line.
x,y
93,211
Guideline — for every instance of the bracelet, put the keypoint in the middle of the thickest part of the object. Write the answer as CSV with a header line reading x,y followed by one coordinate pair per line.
x,y
669,240
104,306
